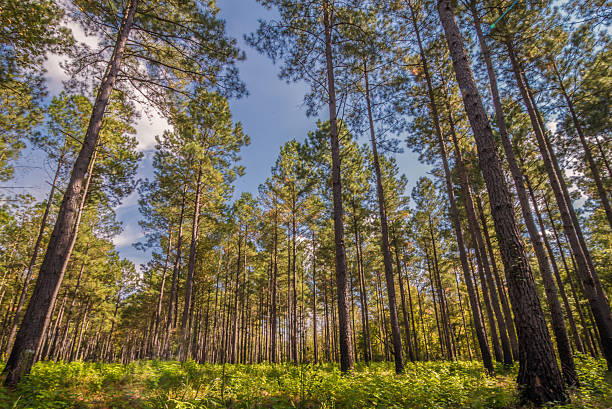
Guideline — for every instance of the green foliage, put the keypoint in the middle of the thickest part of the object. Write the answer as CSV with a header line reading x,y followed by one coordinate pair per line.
x,y
158,384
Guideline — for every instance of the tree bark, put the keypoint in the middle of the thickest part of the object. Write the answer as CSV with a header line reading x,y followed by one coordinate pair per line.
x,y
598,300
454,212
539,376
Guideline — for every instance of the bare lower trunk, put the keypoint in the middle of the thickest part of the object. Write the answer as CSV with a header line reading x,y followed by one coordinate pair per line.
x,y
454,212
598,300
539,376
346,353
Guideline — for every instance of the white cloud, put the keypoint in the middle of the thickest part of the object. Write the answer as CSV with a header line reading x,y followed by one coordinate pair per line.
x,y
147,127
130,235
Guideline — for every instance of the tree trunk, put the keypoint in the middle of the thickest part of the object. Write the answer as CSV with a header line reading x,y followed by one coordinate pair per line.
x,y
603,196
384,230
593,290
37,315
191,266
454,212
539,376
346,355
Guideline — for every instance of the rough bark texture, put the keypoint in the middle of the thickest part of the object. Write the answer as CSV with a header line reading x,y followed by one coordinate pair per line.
x,y
593,290
539,376
454,212
29,339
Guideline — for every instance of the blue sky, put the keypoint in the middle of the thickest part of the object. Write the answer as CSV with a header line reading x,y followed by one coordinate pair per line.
x,y
272,114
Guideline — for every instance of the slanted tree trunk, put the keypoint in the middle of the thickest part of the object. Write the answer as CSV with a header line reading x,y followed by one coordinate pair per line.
x,y
30,270
601,191
346,353
454,212
598,300
539,376
37,315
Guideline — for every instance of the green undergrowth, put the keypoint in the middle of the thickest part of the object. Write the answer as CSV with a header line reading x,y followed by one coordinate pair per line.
x,y
175,385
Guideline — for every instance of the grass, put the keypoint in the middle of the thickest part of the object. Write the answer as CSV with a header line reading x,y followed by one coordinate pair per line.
x,y
176,385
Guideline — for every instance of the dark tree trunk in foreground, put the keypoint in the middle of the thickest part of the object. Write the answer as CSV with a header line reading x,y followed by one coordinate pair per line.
x,y
36,319
30,270
454,211
384,231
346,353
539,376
593,289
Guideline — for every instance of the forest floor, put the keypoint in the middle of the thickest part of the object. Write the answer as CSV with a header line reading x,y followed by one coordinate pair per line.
x,y
174,385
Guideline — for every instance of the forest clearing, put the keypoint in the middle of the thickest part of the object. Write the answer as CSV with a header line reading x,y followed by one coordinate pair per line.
x,y
305,203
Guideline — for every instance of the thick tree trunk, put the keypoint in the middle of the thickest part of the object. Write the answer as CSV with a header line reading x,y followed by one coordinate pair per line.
x,y
346,353
454,212
539,376
598,300
30,270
